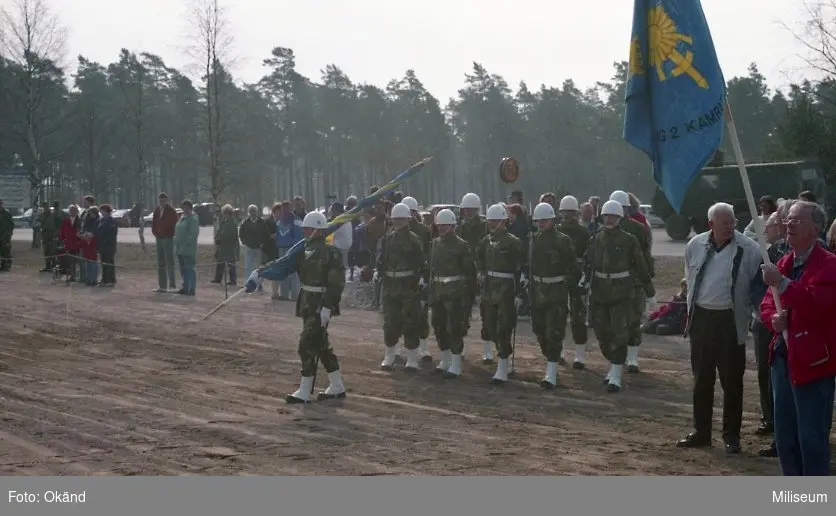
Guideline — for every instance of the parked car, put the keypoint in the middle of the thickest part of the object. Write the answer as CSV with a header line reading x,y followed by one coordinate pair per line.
x,y
23,221
654,220
122,218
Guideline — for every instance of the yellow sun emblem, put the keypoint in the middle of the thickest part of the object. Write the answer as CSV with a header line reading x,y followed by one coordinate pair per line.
x,y
636,64
662,41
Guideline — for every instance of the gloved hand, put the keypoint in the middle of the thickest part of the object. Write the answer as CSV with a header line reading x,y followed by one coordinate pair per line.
x,y
375,276
650,304
421,283
518,302
324,316
583,284
252,282
523,281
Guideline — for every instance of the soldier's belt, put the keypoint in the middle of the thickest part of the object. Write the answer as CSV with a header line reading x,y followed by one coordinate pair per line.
x,y
315,290
448,279
501,275
400,274
612,275
550,279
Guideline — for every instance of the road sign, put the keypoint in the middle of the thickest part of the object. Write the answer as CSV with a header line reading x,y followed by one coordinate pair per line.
x,y
14,188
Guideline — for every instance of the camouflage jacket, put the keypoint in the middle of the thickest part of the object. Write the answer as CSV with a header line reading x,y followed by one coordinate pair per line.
x,y
642,234
472,231
47,224
616,252
453,269
579,235
7,226
423,233
401,263
322,277
553,257
499,259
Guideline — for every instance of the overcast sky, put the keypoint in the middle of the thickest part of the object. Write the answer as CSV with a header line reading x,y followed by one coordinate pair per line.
x,y
373,41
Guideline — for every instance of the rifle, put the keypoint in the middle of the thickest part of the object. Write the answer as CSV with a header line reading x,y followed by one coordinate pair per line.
x,y
590,253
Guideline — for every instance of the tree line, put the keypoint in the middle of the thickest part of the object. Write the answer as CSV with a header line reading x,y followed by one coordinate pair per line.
x,y
124,130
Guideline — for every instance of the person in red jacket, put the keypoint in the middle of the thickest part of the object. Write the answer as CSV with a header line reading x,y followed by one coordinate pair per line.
x,y
68,234
162,227
803,351
671,318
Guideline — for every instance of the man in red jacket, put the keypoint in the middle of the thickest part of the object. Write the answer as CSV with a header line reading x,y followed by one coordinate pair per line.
x,y
162,227
803,352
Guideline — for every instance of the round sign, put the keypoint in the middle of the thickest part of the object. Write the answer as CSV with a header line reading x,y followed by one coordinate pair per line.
x,y
509,170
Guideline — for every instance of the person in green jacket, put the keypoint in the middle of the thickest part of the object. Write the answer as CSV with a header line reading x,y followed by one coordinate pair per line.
x,y
49,236
226,242
186,232
7,227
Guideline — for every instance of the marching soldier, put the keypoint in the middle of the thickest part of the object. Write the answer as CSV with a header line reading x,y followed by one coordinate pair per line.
x,y
640,303
472,229
424,234
554,274
571,227
499,259
452,287
403,267
617,265
322,275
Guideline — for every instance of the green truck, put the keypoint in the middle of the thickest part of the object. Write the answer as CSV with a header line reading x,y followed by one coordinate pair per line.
x,y
722,183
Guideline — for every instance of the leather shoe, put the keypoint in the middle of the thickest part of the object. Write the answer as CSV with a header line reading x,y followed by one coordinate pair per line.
x,y
733,446
694,440
770,452
764,429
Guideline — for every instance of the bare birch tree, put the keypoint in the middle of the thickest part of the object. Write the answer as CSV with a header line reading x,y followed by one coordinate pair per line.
x,y
32,38
211,47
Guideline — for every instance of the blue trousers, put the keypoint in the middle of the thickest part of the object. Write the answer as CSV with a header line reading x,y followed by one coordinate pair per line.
x,y
803,419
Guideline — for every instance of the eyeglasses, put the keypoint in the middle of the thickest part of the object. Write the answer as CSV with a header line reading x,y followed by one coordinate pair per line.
x,y
792,222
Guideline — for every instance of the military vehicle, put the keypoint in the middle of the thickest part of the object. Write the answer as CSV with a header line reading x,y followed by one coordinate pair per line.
x,y
722,183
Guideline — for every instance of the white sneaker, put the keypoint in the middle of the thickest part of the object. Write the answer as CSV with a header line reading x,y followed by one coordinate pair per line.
x,y
501,375
445,362
487,352
303,394
455,369
388,358
335,389
550,380
412,364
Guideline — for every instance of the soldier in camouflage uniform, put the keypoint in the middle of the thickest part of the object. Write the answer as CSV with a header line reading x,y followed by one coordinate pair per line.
x,y
7,227
403,268
322,275
617,264
452,287
554,274
424,234
49,236
499,260
640,302
472,229
570,226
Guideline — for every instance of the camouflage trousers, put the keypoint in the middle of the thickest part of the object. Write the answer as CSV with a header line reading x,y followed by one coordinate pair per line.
x,y
548,322
314,345
498,323
638,305
577,317
425,321
449,320
611,324
402,317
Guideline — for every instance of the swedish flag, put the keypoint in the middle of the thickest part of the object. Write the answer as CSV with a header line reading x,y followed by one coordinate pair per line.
x,y
675,92
278,270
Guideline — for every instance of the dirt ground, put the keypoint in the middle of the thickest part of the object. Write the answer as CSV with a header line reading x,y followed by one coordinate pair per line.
x,y
124,381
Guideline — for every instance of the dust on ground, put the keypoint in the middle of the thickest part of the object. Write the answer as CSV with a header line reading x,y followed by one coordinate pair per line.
x,y
128,382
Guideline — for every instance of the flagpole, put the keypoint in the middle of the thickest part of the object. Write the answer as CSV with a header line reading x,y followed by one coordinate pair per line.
x,y
750,199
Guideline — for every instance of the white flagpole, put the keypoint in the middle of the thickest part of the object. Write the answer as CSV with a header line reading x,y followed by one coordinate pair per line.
x,y
750,198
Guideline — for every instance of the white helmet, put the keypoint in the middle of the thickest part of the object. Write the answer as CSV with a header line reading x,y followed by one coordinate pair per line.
x,y
411,203
445,217
568,203
621,197
612,207
315,220
471,200
400,211
497,212
543,211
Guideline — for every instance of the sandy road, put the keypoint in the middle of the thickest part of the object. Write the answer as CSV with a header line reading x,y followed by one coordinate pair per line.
x,y
127,383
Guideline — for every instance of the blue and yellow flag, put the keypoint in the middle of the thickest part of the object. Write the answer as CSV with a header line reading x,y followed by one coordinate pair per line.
x,y
675,92
278,270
